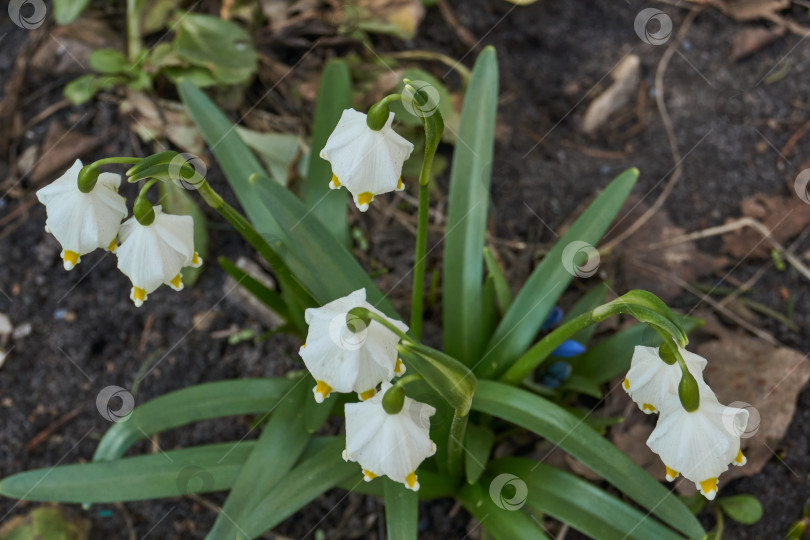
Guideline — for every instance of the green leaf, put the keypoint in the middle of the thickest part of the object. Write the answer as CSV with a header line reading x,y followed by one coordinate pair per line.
x,y
268,297
315,248
745,509
587,302
550,279
432,485
237,161
200,402
108,61
583,443
581,385
175,200
576,502
502,290
198,76
276,150
489,309
81,90
220,46
401,511
334,96
310,478
478,442
447,376
282,441
611,357
67,11
467,212
502,524
201,469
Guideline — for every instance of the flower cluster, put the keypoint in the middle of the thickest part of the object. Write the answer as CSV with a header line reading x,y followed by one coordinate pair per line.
x,y
345,353
149,255
366,161
699,444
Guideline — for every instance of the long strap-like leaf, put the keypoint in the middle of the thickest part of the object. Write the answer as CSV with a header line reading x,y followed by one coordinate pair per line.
x,y
575,437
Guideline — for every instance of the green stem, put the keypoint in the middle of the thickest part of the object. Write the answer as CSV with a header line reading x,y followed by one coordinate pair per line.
x,y
535,356
289,282
106,161
133,29
365,314
455,444
418,288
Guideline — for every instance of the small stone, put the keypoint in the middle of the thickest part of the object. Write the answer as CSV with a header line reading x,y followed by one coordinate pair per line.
x,y
21,331
5,325
7,402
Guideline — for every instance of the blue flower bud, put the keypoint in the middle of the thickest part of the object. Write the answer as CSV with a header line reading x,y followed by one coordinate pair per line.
x,y
560,370
553,318
569,348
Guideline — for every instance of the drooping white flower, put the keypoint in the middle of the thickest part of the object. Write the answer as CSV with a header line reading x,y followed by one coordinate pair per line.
x,y
701,444
650,380
343,360
389,444
82,222
151,255
366,161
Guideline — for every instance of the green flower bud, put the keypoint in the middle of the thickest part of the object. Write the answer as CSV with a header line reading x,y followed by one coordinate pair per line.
x,y
688,392
88,177
378,115
394,399
143,211
668,353
357,320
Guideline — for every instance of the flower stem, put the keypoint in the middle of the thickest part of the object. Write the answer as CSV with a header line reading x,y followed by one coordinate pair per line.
x,y
455,444
418,289
285,276
133,29
110,160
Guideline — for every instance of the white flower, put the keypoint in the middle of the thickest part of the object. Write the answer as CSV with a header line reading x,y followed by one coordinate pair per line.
x,y
347,361
701,444
151,255
366,161
650,380
82,222
389,444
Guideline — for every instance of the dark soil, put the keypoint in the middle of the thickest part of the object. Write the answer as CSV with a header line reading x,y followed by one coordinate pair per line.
x,y
551,54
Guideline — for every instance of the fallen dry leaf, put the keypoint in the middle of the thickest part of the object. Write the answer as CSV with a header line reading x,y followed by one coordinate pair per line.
x,y
750,40
785,217
640,266
155,120
61,148
626,78
747,10
67,48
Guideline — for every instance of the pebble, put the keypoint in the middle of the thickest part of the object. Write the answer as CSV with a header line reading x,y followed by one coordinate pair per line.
x,y
5,325
21,331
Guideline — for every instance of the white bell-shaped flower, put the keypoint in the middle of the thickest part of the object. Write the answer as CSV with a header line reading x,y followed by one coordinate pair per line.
x,y
701,444
344,359
151,255
366,161
82,222
393,445
650,380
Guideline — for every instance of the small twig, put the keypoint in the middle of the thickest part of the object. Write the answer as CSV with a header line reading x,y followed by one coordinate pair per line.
x,y
733,226
712,302
127,520
463,34
788,148
670,131
48,431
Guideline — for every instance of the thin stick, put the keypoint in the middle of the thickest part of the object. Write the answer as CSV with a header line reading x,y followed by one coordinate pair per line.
x,y
733,226
673,140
